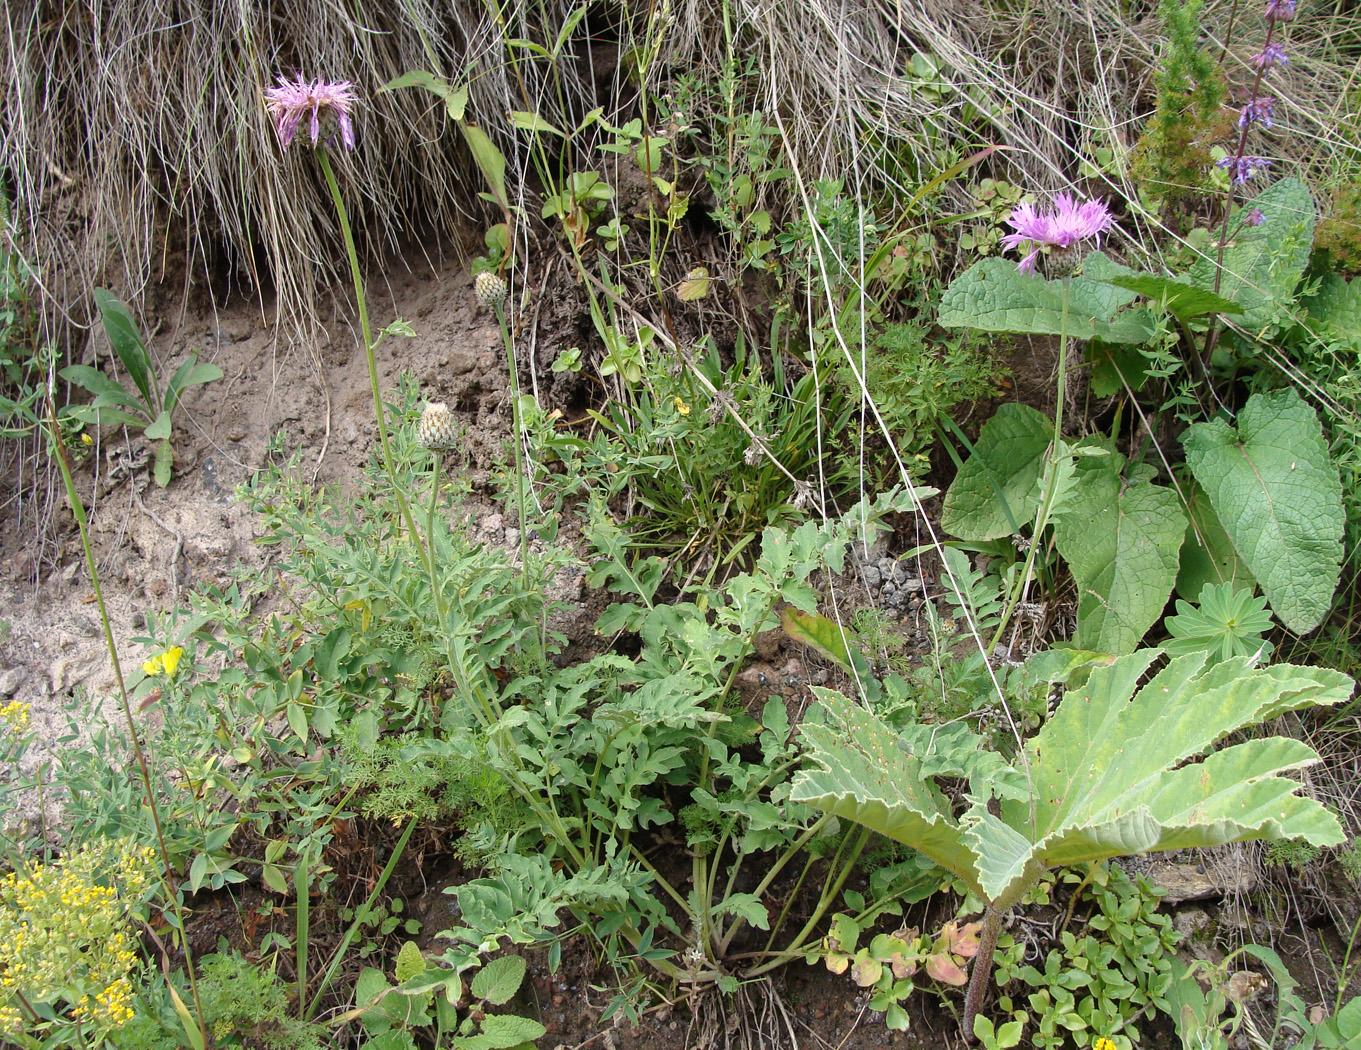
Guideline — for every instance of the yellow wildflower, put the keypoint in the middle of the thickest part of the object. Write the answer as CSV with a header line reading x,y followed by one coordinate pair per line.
x,y
682,406
66,937
165,663
86,440
1103,1043
16,715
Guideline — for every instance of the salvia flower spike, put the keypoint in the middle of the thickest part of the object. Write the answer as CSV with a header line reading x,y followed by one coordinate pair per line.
x,y
1067,223
1280,10
1243,168
1258,110
289,101
1271,56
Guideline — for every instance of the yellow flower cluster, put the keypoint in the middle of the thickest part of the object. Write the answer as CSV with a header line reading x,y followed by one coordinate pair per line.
x,y
65,935
15,714
165,663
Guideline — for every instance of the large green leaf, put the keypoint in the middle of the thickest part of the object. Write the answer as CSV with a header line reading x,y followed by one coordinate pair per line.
x,y
1277,493
864,771
1207,554
1335,311
1121,539
1263,263
998,488
1117,770
993,295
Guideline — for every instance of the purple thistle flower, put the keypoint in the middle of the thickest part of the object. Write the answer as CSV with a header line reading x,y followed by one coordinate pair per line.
x,y
1280,10
1269,57
1068,223
1243,168
289,101
1257,111
1255,217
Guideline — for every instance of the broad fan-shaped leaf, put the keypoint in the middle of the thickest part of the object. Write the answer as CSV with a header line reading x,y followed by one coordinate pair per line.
x,y
1276,491
863,770
1117,770
998,488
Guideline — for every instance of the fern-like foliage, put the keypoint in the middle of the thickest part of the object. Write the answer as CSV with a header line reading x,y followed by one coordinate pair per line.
x,y
1117,770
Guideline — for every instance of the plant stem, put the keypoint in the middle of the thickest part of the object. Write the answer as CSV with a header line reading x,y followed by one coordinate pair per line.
x,y
1050,487
981,978
363,913
1212,332
143,769
366,331
521,480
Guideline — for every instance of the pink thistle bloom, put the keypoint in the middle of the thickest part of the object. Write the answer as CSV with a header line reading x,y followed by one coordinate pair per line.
x,y
1068,223
291,100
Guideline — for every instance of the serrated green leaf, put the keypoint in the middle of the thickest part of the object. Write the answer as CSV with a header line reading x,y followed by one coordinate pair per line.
x,y
998,488
994,296
747,907
863,774
1263,264
503,1031
1122,541
499,980
1276,490
410,962
1335,311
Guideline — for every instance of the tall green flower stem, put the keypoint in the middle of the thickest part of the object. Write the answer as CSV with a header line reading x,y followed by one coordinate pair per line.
x,y
1051,478
168,884
370,346
517,422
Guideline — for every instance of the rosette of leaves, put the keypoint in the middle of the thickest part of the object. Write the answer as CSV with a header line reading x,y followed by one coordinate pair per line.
x,y
147,407
1118,770
1228,621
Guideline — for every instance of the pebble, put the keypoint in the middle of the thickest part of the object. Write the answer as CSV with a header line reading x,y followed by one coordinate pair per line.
x,y
11,681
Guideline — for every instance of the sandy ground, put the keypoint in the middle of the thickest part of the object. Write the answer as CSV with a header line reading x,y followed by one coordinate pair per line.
x,y
154,544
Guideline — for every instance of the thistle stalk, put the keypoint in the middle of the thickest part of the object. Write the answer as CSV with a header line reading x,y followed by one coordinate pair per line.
x,y
366,332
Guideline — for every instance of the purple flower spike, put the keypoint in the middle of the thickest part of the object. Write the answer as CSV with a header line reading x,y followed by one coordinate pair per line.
x,y
289,101
1280,10
1257,111
1270,57
1243,168
1062,227
1254,217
